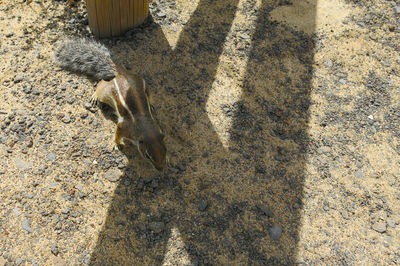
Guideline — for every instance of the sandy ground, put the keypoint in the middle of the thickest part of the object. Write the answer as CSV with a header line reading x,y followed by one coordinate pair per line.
x,y
282,122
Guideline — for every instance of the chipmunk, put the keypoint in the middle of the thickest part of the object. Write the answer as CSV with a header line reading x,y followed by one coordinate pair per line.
x,y
125,93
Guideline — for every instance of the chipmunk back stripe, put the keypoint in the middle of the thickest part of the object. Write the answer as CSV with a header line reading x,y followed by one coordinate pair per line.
x,y
148,103
122,100
136,98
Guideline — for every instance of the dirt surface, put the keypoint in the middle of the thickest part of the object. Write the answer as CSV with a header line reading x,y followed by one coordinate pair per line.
x,y
282,125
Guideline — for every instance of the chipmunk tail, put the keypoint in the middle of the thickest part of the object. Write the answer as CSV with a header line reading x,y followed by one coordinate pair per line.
x,y
85,56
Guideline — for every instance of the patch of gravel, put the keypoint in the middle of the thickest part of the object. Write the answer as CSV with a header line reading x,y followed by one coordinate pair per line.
x,y
283,142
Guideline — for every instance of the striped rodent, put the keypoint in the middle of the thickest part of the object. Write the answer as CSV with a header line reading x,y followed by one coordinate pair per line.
x,y
125,93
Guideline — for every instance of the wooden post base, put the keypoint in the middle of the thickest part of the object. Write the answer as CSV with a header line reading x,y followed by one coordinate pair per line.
x,y
111,18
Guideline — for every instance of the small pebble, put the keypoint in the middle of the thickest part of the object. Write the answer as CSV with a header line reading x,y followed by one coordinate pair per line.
x,y
173,170
379,227
28,89
391,223
112,175
202,205
18,78
87,105
266,210
181,167
275,232
328,63
70,100
29,196
397,9
66,119
21,164
51,157
156,227
35,91
17,212
323,149
54,249
26,225
359,173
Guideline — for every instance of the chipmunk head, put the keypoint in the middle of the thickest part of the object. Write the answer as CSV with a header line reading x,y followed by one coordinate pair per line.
x,y
150,142
153,149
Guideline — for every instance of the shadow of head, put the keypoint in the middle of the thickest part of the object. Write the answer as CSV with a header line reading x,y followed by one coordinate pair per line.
x,y
216,204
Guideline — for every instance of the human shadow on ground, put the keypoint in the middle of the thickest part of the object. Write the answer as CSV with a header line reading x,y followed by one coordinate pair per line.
x,y
217,205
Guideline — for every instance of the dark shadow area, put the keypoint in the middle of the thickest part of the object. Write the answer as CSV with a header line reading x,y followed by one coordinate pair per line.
x,y
222,201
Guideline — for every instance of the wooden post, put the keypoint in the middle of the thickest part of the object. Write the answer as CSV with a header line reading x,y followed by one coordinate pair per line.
x,y
110,18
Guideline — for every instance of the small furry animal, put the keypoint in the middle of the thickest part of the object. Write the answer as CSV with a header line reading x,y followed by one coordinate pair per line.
x,y
125,93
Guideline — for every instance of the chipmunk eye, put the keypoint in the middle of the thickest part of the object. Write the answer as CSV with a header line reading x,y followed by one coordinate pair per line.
x,y
141,142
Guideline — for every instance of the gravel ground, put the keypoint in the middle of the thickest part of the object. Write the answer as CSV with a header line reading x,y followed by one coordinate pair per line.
x,y
282,124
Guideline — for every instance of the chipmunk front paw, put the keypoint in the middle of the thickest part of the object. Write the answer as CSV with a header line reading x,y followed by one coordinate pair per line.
x,y
94,101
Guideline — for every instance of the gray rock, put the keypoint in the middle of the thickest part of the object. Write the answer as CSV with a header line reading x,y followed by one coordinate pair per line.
x,y
18,261
323,149
29,196
343,81
26,225
379,227
53,185
181,167
51,157
54,249
18,78
88,105
70,100
202,205
35,91
156,227
275,232
359,173
397,9
265,210
27,89
21,164
66,119
17,212
112,175
173,170
328,63
391,223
